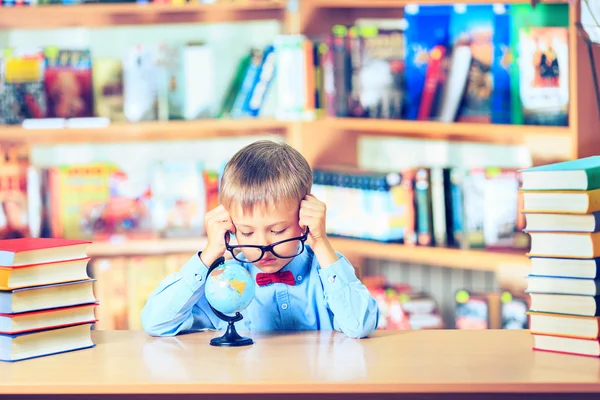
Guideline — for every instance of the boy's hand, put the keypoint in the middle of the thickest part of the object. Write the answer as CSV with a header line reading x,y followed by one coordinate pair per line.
x,y
312,215
217,222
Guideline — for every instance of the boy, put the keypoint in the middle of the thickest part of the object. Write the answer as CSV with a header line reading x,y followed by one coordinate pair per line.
x,y
265,199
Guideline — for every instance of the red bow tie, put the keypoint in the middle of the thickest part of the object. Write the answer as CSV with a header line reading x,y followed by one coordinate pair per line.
x,y
286,277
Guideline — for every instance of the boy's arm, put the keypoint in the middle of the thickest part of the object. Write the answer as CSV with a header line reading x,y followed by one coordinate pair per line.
x,y
178,304
355,311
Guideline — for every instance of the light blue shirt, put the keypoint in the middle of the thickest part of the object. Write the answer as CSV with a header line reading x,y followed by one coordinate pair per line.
x,y
322,299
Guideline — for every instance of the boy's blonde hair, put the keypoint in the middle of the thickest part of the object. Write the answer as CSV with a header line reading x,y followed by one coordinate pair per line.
x,y
265,173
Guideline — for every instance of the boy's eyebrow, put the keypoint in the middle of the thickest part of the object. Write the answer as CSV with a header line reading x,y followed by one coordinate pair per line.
x,y
268,226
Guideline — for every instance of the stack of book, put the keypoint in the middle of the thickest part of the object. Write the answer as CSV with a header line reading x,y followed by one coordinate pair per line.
x,y
562,211
47,300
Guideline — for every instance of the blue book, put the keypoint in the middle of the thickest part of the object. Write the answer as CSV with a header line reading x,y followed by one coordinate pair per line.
x,y
500,107
428,27
261,85
47,297
29,345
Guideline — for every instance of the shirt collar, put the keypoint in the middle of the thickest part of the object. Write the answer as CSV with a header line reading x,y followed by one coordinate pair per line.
x,y
299,266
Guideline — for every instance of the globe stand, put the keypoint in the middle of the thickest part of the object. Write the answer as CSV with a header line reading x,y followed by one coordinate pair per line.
x,y
231,338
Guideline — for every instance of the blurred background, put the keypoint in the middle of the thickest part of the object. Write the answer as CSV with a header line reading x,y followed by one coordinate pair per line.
x,y
118,117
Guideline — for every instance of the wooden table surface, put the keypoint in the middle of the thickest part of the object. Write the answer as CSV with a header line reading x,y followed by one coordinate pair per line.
x,y
393,362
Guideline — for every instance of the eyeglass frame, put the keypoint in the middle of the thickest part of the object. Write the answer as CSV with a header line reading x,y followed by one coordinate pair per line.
x,y
266,248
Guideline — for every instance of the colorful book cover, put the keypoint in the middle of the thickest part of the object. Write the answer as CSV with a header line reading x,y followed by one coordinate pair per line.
x,y
68,83
476,310
234,86
524,16
107,77
379,74
291,61
500,208
514,311
424,207
247,87
473,26
544,75
427,31
342,77
473,194
22,94
501,96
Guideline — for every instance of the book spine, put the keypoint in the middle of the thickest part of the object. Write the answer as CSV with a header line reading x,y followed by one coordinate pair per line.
x,y
263,81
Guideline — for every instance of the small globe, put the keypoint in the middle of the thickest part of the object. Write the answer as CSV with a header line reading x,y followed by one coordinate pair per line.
x,y
229,288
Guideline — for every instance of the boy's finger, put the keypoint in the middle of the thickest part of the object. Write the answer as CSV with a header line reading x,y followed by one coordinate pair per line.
x,y
308,205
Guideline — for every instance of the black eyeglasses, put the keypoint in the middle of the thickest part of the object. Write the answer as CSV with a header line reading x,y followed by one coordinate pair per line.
x,y
253,253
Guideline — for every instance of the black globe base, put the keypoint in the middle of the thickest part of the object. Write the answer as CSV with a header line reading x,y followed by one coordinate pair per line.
x,y
231,338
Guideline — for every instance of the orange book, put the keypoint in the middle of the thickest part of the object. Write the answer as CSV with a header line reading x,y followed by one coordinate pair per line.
x,y
310,75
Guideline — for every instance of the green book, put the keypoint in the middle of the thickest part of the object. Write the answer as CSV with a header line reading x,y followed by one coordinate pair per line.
x,y
524,16
234,86
580,174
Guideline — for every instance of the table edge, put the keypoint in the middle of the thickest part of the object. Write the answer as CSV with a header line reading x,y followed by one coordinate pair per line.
x,y
305,388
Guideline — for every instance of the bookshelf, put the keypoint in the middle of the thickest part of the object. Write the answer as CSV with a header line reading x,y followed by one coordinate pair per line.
x,y
579,139
330,140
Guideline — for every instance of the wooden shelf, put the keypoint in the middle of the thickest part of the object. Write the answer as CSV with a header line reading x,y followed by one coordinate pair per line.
x,y
489,133
144,131
99,15
480,260
146,247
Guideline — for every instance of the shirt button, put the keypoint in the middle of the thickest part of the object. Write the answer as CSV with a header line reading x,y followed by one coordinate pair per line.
x,y
284,306
332,279
299,278
198,277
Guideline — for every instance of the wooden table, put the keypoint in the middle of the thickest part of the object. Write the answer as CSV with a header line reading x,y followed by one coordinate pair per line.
x,y
391,364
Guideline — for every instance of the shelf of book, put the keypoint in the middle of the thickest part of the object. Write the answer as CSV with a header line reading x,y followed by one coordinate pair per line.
x,y
479,260
145,247
144,131
99,15
488,133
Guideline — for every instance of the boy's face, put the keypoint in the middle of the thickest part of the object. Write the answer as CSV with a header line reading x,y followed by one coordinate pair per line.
x,y
267,225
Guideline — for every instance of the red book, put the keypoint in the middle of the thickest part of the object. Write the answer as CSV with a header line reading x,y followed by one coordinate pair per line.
x,y
26,251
